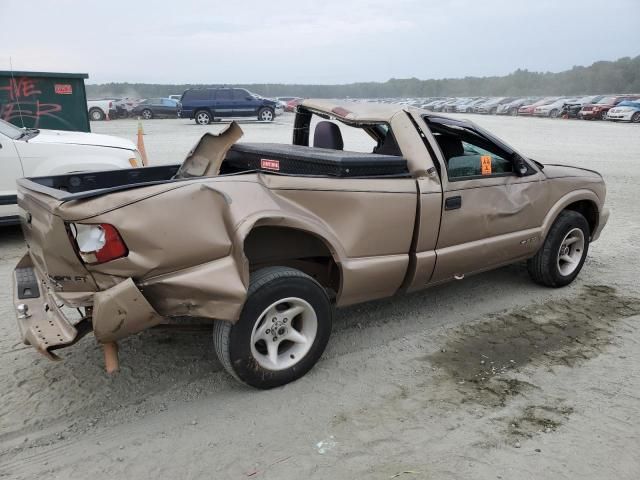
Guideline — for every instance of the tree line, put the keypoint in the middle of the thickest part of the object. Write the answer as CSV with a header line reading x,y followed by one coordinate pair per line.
x,y
620,76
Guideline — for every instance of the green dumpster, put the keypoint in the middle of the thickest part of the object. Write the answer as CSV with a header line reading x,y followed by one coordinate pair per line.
x,y
55,101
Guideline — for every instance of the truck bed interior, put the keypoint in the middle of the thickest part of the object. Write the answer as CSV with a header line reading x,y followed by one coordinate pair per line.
x,y
270,158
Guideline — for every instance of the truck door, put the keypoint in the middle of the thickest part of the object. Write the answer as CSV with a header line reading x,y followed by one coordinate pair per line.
x,y
11,170
490,215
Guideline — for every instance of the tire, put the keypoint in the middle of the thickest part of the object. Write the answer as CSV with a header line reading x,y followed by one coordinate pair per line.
x,y
147,114
243,348
203,117
493,111
635,118
553,113
96,114
603,116
513,112
266,114
548,267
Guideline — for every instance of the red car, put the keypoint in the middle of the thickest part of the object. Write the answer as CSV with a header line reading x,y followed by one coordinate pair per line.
x,y
292,104
528,109
599,110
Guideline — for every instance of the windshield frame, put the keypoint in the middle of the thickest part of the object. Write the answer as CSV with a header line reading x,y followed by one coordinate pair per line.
x,y
10,130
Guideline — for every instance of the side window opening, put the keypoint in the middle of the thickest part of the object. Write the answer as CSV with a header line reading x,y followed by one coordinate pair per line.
x,y
320,131
338,136
240,94
468,154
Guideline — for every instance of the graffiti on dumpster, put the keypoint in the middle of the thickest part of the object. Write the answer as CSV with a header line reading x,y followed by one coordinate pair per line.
x,y
19,102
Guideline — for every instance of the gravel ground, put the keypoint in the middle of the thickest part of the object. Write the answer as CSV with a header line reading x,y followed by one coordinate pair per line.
x,y
489,378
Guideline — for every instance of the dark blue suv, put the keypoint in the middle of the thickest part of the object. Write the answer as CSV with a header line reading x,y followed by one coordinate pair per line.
x,y
206,104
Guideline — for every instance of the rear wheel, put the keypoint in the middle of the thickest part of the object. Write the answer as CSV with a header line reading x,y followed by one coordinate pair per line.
x,y
283,329
513,112
553,113
563,252
203,117
635,118
147,114
96,114
266,114
603,116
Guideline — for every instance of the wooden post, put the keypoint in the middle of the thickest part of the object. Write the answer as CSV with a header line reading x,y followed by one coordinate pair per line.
x,y
111,362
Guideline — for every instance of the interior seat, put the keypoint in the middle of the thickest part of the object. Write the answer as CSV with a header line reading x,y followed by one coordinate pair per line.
x,y
450,146
328,135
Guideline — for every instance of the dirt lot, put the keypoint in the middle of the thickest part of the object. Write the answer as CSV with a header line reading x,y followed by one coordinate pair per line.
x,y
488,378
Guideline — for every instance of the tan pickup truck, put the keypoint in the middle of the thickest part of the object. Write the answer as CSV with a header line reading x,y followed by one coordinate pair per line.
x,y
266,239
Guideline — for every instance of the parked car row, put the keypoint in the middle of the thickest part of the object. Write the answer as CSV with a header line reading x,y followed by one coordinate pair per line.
x,y
623,108
204,105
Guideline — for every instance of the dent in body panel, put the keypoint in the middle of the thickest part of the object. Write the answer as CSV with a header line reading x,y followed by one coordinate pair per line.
x,y
195,264
121,311
492,209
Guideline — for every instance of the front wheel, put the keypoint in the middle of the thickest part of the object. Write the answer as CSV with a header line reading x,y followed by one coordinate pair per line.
x,y
266,115
635,118
553,113
282,331
147,114
563,252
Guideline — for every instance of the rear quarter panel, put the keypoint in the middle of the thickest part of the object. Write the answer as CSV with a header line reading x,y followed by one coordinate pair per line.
x,y
186,241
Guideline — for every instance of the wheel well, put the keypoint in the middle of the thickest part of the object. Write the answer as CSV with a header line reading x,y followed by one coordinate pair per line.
x,y
268,246
589,210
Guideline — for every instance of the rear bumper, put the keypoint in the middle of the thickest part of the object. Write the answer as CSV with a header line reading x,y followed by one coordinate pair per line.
x,y
44,326
118,312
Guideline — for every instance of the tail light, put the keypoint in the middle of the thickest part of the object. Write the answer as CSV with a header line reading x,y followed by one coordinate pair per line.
x,y
110,104
98,243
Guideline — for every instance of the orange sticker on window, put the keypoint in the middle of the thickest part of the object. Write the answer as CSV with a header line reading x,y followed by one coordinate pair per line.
x,y
485,164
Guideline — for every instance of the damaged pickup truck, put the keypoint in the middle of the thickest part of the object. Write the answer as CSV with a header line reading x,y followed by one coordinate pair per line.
x,y
265,240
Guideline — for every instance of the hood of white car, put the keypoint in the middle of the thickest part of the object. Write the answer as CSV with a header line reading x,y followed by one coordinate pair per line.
x,y
81,138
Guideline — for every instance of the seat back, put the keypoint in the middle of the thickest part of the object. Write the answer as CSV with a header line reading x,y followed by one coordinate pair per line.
x,y
327,135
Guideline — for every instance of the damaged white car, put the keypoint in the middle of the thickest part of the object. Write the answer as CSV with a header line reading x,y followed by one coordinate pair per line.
x,y
26,152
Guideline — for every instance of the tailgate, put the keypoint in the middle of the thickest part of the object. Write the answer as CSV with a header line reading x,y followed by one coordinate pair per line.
x,y
48,241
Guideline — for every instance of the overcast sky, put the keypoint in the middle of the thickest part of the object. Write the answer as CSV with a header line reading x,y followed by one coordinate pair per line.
x,y
324,41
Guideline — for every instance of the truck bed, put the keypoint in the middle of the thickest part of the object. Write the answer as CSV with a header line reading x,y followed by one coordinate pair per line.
x,y
270,158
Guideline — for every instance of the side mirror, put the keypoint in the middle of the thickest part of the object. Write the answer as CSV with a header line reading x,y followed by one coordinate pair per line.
x,y
520,166
248,98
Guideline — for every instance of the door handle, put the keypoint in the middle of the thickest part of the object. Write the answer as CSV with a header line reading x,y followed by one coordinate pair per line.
x,y
453,203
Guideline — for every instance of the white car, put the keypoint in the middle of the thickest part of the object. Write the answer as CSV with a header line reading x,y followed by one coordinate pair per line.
x,y
553,109
627,111
101,109
36,153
